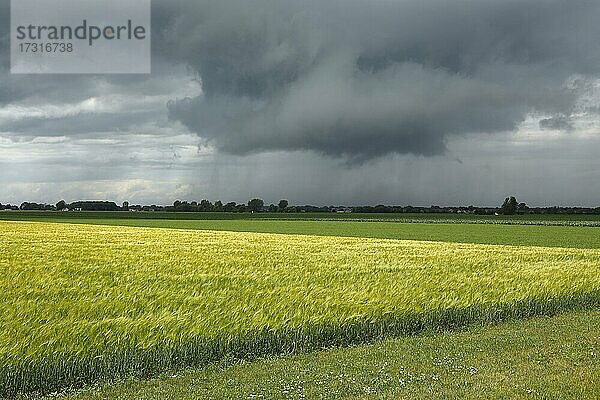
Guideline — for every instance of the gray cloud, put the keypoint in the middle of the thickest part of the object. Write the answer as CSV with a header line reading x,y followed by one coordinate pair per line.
x,y
360,79
77,125
558,123
353,79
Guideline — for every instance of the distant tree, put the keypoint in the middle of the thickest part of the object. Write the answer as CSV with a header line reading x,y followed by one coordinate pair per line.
x,y
184,206
218,207
283,204
205,206
382,209
36,207
509,207
255,205
61,205
230,207
522,208
272,208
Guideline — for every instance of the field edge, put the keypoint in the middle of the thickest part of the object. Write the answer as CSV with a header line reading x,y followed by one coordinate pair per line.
x,y
68,373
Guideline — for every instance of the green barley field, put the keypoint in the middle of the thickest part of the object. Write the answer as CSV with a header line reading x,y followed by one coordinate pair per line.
x,y
100,298
535,358
545,231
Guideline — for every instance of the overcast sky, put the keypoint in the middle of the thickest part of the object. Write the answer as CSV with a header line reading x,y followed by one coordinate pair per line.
x,y
322,102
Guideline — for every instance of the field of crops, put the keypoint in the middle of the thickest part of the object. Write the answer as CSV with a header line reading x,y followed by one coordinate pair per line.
x,y
81,303
542,357
513,234
531,219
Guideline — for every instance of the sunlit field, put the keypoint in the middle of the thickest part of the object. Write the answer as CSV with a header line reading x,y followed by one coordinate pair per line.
x,y
82,303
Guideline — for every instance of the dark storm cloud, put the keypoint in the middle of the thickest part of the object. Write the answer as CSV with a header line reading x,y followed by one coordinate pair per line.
x,y
360,79
355,79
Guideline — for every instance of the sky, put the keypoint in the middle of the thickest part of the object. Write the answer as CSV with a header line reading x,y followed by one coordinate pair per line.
x,y
325,102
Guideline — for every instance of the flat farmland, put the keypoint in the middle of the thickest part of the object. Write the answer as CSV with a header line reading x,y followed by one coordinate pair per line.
x,y
82,303
553,231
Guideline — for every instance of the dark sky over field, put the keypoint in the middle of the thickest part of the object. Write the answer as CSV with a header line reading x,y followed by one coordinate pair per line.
x,y
323,102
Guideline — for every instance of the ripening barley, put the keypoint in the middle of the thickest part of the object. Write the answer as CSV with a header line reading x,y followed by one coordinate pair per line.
x,y
80,303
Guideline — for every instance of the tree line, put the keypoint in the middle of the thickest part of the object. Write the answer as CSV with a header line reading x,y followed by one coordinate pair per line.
x,y
510,206
254,205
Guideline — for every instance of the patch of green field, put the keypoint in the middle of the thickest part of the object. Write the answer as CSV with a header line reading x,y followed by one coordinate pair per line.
x,y
515,235
538,358
547,219
80,303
